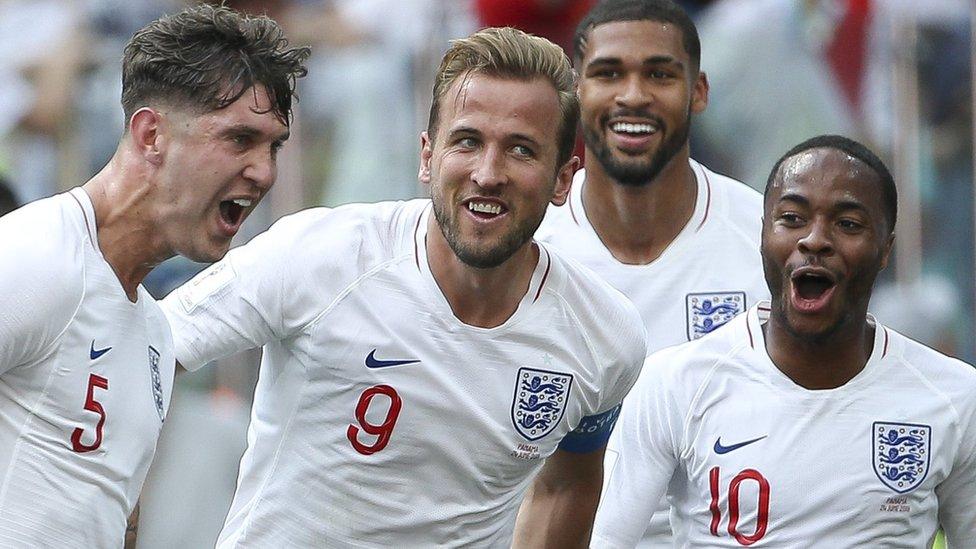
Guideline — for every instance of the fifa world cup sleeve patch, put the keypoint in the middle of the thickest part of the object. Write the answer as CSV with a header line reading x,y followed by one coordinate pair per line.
x,y
592,433
205,285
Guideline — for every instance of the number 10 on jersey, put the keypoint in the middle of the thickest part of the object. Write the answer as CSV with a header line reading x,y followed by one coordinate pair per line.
x,y
762,509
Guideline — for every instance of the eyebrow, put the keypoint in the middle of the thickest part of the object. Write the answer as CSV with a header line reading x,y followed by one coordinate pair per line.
x,y
251,130
466,130
843,205
650,61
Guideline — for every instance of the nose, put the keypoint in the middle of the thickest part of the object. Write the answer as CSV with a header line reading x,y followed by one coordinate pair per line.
x,y
489,171
818,239
632,93
261,169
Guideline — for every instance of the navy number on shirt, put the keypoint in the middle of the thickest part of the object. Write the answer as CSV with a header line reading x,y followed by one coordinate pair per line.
x,y
94,380
762,513
381,431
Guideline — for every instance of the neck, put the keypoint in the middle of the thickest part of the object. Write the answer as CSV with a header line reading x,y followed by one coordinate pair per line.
x,y
485,298
825,363
125,224
638,223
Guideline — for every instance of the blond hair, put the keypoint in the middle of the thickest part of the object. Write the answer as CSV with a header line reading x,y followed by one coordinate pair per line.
x,y
505,52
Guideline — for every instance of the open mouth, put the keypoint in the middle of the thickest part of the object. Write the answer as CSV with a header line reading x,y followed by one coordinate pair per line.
x,y
485,209
232,211
812,290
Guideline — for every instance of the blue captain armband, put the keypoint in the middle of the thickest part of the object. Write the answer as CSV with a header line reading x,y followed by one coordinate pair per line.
x,y
592,433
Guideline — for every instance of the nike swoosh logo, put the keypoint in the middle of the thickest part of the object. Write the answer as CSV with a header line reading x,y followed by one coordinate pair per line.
x,y
719,449
95,353
373,362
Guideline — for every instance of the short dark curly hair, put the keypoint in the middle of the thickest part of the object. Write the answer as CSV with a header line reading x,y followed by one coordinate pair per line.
x,y
206,57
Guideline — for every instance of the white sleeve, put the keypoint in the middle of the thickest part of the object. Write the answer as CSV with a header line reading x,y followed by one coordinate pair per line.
x,y
41,291
258,293
647,436
957,493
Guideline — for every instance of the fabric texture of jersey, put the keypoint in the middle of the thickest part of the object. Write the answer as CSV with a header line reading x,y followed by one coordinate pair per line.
x,y
711,272
748,457
85,380
379,418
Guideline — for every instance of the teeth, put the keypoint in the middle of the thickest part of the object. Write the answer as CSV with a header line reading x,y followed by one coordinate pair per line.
x,y
242,202
625,127
485,207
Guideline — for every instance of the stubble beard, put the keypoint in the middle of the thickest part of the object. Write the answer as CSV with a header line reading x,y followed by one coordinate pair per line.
x,y
481,257
637,172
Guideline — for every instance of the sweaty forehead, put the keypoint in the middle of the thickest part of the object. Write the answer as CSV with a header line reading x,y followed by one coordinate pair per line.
x,y
634,39
824,170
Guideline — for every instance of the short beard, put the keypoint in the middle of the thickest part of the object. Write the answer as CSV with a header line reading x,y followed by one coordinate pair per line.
x,y
638,173
481,258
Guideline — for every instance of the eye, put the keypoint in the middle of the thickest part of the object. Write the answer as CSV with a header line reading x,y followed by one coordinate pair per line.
x,y
605,74
522,150
790,219
467,142
241,140
276,146
849,225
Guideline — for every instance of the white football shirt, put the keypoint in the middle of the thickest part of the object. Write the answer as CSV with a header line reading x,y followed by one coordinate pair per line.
x,y
711,272
751,458
85,379
379,418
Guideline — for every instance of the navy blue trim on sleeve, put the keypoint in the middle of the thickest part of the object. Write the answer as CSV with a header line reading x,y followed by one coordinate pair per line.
x,y
592,433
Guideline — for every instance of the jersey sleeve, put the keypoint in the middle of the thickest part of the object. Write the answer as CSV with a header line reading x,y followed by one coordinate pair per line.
x,y
648,436
258,293
42,281
622,353
957,493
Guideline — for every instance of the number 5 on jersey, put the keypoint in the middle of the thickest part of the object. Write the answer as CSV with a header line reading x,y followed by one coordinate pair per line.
x,y
92,405
381,431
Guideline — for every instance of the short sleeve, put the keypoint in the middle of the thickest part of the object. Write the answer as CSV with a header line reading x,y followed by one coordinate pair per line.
x,y
42,278
266,290
647,435
957,493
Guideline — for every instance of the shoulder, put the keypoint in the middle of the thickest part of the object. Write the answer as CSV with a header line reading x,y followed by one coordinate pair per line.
x,y
42,245
734,204
952,377
604,312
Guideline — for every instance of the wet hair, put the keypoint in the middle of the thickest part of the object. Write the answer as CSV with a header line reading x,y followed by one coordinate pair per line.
x,y
664,11
853,149
206,57
510,53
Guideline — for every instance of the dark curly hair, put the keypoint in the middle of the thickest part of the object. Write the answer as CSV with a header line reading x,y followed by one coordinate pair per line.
x,y
206,57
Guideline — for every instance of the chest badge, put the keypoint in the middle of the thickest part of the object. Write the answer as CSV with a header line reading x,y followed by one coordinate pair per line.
x,y
901,454
708,311
539,401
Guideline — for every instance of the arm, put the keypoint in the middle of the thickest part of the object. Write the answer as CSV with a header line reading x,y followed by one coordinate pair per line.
x,y
559,507
957,493
132,528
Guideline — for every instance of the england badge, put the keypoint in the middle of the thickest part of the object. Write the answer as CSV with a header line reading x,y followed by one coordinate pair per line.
x,y
901,454
708,311
539,401
157,388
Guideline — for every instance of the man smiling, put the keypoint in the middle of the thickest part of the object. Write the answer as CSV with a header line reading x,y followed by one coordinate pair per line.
x,y
805,422
423,359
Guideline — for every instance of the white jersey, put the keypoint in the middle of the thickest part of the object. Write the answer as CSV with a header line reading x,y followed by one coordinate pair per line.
x,y
379,418
711,272
85,379
748,457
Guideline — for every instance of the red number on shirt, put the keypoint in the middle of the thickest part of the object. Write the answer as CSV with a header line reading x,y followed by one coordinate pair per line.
x,y
94,380
762,515
382,431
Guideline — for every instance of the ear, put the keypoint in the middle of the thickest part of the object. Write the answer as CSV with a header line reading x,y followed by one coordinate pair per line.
x,y
886,253
564,181
145,134
426,152
699,94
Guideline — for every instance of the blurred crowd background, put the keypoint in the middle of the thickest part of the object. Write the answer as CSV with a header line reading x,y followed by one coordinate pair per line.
x,y
896,74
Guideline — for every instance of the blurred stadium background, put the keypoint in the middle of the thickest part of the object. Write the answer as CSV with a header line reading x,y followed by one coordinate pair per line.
x,y
897,74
